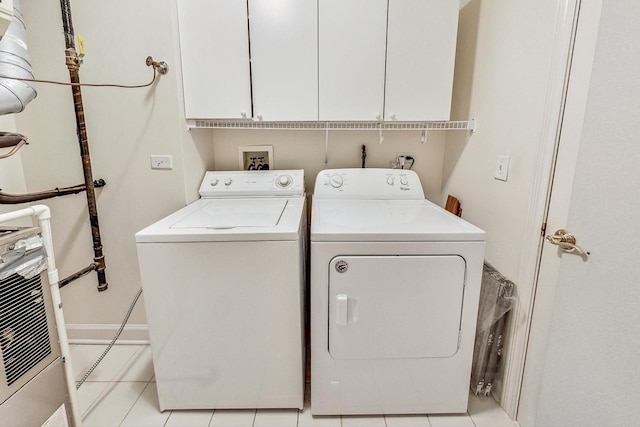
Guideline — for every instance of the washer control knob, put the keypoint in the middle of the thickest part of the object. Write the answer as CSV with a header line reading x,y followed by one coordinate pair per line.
x,y
404,181
228,181
390,180
284,181
336,181
214,182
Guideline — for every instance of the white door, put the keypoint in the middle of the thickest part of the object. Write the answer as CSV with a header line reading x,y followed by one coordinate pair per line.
x,y
582,365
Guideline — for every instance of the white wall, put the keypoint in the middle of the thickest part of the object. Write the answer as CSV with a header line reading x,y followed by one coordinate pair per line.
x,y
306,149
502,73
506,67
124,127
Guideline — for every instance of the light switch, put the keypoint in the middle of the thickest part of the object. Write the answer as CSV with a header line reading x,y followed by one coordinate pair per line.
x,y
502,168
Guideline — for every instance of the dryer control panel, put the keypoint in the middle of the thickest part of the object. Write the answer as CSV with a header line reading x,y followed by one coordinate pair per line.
x,y
386,184
263,183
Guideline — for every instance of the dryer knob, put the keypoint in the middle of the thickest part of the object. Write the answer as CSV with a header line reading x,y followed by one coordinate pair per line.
x,y
404,181
214,182
228,182
390,180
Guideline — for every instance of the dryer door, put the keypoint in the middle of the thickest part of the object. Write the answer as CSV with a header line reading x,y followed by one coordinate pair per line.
x,y
389,307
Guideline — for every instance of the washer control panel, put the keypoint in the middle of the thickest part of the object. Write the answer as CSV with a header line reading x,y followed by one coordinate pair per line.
x,y
389,184
263,183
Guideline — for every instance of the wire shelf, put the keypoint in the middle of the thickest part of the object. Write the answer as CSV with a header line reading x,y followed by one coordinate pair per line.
x,y
468,125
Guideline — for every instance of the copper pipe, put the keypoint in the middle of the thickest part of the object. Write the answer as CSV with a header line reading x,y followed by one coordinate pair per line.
x,y
13,199
10,139
77,275
74,76
15,141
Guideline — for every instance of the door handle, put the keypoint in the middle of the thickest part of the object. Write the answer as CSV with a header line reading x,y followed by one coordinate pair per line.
x,y
566,241
342,309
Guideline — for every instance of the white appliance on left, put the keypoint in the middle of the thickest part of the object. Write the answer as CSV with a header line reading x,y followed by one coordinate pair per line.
x,y
36,376
224,290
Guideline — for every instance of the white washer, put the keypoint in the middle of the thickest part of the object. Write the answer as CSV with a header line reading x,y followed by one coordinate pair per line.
x,y
395,281
224,281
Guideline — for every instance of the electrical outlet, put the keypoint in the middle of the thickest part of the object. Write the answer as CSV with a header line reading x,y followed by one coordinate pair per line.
x,y
502,168
161,161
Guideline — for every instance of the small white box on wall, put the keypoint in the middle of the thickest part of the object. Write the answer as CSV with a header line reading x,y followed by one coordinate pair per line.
x,y
255,157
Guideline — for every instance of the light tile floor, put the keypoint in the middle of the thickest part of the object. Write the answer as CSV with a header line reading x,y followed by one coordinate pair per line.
x,y
121,391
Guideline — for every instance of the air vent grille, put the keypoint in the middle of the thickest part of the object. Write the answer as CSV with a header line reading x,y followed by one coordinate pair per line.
x,y
24,337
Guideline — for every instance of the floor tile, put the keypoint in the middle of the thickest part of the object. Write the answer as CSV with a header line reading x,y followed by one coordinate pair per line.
x,y
88,393
363,421
83,356
233,418
450,420
146,411
407,421
139,367
103,401
276,418
113,404
305,419
485,412
112,364
188,418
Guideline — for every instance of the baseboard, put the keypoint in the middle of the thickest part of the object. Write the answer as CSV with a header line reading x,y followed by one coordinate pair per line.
x,y
80,332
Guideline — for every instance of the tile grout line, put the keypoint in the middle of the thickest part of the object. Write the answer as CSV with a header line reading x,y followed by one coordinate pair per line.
x,y
93,404
134,402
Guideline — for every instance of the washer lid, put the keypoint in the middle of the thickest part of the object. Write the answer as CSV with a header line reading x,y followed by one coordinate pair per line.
x,y
226,220
232,213
387,220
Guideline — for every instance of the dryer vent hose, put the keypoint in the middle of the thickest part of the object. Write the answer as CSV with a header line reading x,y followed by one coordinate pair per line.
x,y
14,63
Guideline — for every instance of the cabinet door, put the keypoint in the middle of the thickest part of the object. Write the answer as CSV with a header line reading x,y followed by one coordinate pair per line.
x,y
214,44
421,49
284,59
352,38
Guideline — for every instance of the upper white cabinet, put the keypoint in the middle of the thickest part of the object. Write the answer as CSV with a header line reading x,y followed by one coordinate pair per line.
x,y
309,60
284,59
421,47
239,63
214,45
386,60
351,51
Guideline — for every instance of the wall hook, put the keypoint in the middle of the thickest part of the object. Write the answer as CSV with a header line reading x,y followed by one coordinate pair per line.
x,y
423,136
326,145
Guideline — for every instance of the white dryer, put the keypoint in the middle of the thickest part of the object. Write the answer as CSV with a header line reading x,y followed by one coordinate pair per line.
x,y
224,281
395,281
